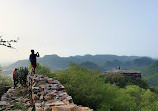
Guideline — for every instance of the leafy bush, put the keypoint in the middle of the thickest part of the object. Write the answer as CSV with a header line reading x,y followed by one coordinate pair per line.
x,y
122,81
21,75
5,81
43,70
83,85
88,89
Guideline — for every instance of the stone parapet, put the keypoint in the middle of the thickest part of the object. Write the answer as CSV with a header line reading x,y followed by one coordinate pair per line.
x,y
49,95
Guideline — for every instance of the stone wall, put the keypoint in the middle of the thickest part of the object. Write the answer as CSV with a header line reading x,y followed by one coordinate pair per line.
x,y
134,75
41,94
49,95
3,89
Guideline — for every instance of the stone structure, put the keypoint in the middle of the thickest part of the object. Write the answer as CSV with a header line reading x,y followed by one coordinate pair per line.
x,y
135,75
15,100
41,94
49,95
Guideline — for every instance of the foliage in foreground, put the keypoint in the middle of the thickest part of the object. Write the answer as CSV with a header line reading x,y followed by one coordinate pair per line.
x,y
122,81
43,70
88,89
21,75
5,81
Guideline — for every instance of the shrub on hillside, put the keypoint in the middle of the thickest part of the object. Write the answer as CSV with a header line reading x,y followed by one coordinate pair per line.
x,y
88,89
122,81
83,85
43,70
5,80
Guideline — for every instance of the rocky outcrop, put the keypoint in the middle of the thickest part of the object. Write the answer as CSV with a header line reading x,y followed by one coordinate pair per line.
x,y
50,95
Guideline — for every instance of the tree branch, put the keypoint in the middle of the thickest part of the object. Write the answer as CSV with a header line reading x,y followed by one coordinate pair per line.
x,y
7,43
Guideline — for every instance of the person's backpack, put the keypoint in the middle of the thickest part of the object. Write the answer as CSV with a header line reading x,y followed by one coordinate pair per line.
x,y
32,58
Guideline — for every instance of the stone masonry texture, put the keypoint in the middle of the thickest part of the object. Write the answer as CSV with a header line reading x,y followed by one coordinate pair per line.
x,y
50,95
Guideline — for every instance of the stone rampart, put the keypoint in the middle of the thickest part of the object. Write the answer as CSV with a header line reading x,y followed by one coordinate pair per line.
x,y
41,94
49,95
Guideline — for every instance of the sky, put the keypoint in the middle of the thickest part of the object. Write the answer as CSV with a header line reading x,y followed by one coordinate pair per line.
x,y
79,27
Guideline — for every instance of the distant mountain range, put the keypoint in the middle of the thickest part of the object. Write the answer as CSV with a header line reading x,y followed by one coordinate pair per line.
x,y
102,62
136,64
148,66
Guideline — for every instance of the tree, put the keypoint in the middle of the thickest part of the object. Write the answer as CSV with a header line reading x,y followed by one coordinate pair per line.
x,y
7,43
43,70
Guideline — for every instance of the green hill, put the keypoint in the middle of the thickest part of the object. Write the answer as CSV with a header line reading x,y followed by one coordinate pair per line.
x,y
92,66
150,70
153,80
150,73
136,64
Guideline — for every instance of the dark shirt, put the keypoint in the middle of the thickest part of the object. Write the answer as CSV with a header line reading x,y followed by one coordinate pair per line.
x,y
33,57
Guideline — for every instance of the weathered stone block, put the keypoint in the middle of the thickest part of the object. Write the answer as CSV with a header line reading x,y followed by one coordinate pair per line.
x,y
65,108
80,108
58,103
39,109
4,103
52,94
69,98
47,97
50,80
35,90
55,82
47,109
35,97
38,104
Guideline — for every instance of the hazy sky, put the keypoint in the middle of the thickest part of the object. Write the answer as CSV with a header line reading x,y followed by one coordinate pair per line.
x,y
78,27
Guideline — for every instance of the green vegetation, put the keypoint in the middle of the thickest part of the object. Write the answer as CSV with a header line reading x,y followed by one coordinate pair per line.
x,y
150,73
150,70
92,66
123,81
88,89
21,75
44,70
5,81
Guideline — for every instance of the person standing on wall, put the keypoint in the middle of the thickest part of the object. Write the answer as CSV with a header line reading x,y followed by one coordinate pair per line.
x,y
15,77
33,60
